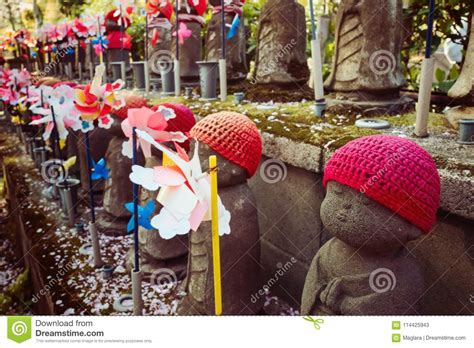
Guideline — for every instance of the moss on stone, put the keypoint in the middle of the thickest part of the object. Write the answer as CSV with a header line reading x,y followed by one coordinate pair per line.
x,y
297,121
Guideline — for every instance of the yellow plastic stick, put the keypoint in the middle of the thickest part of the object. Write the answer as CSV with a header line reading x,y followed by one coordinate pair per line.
x,y
216,253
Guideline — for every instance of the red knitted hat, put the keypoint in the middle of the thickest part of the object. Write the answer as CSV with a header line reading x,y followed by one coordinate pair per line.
x,y
183,122
232,135
131,102
394,172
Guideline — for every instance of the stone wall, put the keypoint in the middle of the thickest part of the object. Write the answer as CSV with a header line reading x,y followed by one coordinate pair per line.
x,y
288,188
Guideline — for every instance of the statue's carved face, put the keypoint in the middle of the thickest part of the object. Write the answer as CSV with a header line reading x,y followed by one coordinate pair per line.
x,y
229,174
362,222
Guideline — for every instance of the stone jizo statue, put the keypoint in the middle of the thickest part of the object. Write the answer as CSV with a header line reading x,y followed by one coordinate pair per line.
x,y
368,42
382,192
221,134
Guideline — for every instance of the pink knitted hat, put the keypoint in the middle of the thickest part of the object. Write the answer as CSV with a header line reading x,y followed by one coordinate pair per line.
x,y
394,172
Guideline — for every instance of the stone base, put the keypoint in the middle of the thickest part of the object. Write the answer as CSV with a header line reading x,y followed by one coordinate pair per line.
x,y
457,113
111,225
152,268
356,103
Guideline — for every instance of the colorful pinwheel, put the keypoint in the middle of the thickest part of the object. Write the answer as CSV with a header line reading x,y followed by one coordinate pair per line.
x,y
100,44
184,192
144,215
100,170
153,123
95,101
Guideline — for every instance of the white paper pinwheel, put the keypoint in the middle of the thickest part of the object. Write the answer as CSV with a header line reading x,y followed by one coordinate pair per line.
x,y
152,122
184,192
66,115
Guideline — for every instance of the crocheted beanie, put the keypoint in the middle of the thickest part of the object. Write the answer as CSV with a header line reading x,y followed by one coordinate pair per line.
x,y
131,102
232,135
394,172
183,122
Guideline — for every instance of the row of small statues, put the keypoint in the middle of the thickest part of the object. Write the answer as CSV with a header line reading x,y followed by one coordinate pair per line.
x,y
281,45
373,207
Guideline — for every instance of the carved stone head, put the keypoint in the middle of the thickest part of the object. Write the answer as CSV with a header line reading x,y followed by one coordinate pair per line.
x,y
382,191
229,173
362,222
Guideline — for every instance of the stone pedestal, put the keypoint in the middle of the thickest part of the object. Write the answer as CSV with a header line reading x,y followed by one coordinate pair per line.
x,y
281,46
237,67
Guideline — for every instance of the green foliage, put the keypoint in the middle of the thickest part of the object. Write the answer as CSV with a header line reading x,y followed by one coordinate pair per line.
x,y
71,8
448,14
15,291
137,32
445,81
251,16
28,18
96,7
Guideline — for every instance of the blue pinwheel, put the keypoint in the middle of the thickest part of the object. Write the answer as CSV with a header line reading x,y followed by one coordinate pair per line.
x,y
234,27
100,43
99,170
144,215
100,39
